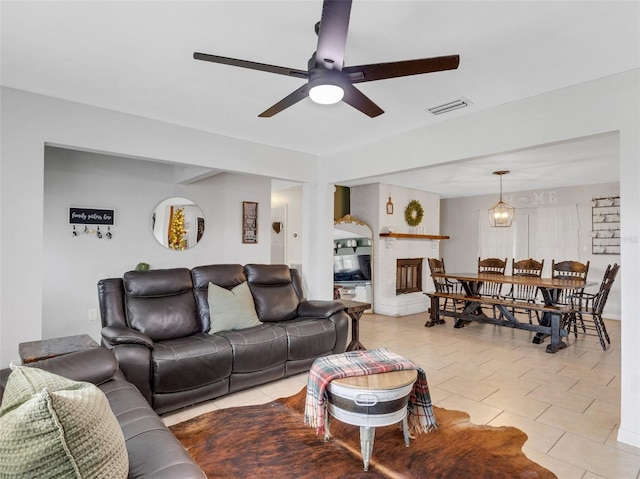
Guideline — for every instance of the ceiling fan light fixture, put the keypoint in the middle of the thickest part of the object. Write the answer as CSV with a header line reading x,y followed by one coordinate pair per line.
x,y
326,94
327,87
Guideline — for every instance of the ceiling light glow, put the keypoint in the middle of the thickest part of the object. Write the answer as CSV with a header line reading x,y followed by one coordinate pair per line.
x,y
326,94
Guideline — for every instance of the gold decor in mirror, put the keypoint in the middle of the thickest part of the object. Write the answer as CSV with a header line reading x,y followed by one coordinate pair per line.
x,y
177,231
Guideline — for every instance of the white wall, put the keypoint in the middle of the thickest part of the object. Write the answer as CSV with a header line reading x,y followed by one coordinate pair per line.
x,y
459,220
30,121
72,266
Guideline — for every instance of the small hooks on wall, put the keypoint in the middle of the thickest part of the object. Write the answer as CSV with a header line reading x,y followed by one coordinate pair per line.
x,y
89,231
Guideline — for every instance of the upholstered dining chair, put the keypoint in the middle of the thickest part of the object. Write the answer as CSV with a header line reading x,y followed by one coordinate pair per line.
x,y
586,305
443,285
491,266
521,292
569,270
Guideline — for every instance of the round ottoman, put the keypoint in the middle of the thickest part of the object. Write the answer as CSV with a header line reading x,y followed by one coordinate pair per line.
x,y
371,401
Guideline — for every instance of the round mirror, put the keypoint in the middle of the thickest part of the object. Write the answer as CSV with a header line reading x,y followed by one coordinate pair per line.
x,y
178,223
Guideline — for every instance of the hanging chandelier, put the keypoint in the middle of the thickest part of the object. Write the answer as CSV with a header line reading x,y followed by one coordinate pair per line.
x,y
501,215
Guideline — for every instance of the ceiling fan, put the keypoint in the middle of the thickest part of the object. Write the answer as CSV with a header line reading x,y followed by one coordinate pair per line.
x,y
328,80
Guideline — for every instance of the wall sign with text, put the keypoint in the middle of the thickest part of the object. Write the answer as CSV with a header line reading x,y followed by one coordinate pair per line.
x,y
91,216
249,222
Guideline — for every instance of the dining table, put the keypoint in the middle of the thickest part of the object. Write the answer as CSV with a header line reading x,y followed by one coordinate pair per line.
x,y
550,323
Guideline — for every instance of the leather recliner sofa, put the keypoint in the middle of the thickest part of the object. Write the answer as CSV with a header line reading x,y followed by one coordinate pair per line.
x,y
152,450
157,322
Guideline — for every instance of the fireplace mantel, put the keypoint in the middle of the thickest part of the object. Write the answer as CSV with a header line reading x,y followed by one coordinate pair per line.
x,y
413,236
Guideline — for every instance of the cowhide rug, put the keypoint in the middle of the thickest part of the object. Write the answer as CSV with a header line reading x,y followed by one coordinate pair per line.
x,y
271,441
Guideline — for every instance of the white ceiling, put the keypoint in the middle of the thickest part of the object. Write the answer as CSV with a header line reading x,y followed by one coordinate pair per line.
x,y
136,57
587,161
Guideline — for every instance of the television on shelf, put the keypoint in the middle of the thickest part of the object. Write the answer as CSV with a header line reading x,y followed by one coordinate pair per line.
x,y
352,267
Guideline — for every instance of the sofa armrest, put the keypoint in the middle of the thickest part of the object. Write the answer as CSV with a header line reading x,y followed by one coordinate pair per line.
x,y
96,365
319,308
117,335
134,361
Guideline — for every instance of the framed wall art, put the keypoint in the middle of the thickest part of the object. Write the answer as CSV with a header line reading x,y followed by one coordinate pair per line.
x,y
249,222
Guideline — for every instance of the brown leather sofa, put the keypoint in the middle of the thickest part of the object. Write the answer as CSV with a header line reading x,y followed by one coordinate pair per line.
x,y
157,322
153,451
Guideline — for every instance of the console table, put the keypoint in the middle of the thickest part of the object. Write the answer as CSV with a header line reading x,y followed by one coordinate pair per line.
x,y
355,309
33,351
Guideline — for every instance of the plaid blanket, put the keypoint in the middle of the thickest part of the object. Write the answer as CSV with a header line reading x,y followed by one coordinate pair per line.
x,y
361,363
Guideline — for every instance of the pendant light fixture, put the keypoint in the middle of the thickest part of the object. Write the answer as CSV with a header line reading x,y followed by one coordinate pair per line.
x,y
501,215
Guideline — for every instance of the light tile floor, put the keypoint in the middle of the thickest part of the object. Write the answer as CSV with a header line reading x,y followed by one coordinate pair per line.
x,y
568,403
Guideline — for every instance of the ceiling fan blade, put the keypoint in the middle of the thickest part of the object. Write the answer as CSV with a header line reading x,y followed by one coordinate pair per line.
x,y
382,71
332,36
286,102
251,65
358,100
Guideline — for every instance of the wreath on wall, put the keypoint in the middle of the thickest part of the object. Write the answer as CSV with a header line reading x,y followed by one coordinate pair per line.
x,y
413,213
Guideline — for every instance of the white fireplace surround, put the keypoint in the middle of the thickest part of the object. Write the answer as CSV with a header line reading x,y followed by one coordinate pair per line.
x,y
368,202
388,302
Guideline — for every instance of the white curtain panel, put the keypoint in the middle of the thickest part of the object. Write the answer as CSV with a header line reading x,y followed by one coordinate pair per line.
x,y
494,242
556,233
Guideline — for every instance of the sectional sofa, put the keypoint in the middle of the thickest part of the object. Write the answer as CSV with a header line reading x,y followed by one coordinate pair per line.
x,y
152,451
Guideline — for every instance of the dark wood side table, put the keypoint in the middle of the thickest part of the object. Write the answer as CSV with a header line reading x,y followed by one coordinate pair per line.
x,y
355,309
33,351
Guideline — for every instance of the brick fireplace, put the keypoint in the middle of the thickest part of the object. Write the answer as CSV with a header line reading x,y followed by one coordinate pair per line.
x,y
402,276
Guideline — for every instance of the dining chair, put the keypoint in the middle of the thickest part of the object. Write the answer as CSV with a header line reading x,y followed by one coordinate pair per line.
x,y
443,285
569,270
522,292
491,266
591,305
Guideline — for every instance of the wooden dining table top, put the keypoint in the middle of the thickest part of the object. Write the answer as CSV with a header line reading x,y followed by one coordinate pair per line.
x,y
550,283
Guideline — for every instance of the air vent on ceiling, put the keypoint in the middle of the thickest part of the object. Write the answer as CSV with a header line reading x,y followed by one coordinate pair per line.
x,y
450,106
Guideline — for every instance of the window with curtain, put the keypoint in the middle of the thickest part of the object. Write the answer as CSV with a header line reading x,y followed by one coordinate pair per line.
x,y
539,233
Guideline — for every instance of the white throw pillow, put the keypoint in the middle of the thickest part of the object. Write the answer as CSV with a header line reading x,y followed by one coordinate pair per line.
x,y
231,309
